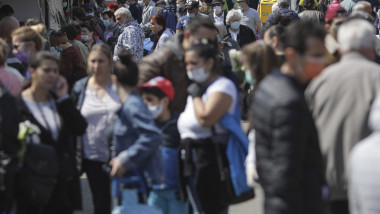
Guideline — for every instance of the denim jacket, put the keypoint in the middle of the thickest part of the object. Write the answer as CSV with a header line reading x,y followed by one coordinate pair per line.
x,y
137,140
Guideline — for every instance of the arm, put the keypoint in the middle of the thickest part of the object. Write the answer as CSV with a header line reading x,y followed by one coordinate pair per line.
x,y
210,112
258,27
148,141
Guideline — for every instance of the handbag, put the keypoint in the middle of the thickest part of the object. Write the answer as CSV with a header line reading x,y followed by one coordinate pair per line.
x,y
38,174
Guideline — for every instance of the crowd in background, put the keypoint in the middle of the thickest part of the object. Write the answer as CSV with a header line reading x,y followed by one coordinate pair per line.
x,y
150,96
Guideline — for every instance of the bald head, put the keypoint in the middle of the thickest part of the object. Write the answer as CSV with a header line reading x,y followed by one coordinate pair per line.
x,y
7,25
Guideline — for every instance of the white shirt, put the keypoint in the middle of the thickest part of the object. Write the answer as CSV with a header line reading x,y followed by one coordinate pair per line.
x,y
98,113
167,34
249,18
46,114
234,34
188,125
219,19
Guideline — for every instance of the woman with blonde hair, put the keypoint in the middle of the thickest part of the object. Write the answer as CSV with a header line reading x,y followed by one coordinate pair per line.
x,y
26,43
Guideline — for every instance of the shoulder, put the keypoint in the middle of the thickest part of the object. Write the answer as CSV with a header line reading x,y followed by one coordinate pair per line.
x,y
80,85
224,85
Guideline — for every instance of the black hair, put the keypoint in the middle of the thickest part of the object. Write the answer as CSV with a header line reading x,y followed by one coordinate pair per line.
x,y
71,31
281,20
78,12
126,70
297,33
153,90
58,33
6,10
41,56
88,25
309,4
206,49
199,22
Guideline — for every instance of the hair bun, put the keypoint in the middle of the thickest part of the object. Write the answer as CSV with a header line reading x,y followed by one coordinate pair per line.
x,y
125,57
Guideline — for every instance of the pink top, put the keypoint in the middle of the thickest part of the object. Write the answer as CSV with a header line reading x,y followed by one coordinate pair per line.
x,y
11,81
334,4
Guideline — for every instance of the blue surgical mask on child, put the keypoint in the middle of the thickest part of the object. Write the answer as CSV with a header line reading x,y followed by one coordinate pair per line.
x,y
106,23
156,110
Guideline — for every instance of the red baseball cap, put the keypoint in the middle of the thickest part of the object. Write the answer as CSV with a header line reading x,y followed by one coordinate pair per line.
x,y
334,12
161,83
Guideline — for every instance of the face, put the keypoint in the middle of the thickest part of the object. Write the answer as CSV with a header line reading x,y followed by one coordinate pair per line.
x,y
194,10
98,63
121,19
314,59
335,26
154,26
105,17
150,99
85,31
18,44
241,3
218,4
193,61
46,75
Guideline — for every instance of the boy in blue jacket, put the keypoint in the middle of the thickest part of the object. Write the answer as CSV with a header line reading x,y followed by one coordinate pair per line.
x,y
157,94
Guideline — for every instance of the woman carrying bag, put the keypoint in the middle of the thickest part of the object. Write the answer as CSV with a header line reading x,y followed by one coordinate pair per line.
x,y
49,181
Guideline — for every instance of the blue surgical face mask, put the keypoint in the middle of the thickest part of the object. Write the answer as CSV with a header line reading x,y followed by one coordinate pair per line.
x,y
191,15
235,25
59,49
90,14
249,79
106,23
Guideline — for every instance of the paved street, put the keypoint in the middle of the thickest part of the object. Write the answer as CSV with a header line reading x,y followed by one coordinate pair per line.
x,y
250,207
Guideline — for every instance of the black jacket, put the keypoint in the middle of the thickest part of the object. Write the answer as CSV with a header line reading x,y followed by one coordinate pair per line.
x,y
9,147
289,161
245,36
72,125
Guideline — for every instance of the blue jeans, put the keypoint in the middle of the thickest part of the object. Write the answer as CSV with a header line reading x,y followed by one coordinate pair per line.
x,y
167,201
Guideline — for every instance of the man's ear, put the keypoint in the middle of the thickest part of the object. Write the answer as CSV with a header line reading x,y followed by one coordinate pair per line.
x,y
290,54
186,34
165,102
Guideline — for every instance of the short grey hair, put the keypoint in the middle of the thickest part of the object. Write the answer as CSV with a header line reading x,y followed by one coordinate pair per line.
x,y
356,35
360,6
123,11
233,14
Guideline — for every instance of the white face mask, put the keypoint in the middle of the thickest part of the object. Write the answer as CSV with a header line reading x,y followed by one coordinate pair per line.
x,y
84,37
198,75
156,110
217,9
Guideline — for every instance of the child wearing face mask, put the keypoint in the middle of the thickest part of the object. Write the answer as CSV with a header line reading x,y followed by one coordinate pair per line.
x,y
157,94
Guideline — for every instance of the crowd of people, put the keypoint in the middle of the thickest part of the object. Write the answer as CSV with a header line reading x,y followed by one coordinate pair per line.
x,y
92,97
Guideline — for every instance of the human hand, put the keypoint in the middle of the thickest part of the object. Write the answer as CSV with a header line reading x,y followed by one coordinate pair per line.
x,y
195,90
117,167
62,87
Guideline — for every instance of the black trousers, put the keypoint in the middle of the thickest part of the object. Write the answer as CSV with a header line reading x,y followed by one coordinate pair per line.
x,y
338,207
208,186
100,186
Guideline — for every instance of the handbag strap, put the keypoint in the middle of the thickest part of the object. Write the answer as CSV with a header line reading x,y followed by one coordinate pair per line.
x,y
218,155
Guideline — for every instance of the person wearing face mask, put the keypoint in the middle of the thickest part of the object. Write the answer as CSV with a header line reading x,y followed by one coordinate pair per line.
x,y
334,18
112,28
87,35
71,65
259,60
26,43
157,94
286,135
342,83
251,18
219,15
170,18
211,96
237,31
181,10
136,10
192,8
90,11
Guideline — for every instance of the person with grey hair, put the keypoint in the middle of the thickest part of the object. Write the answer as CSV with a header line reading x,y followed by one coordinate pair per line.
x,y
226,43
131,37
242,34
362,6
340,100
